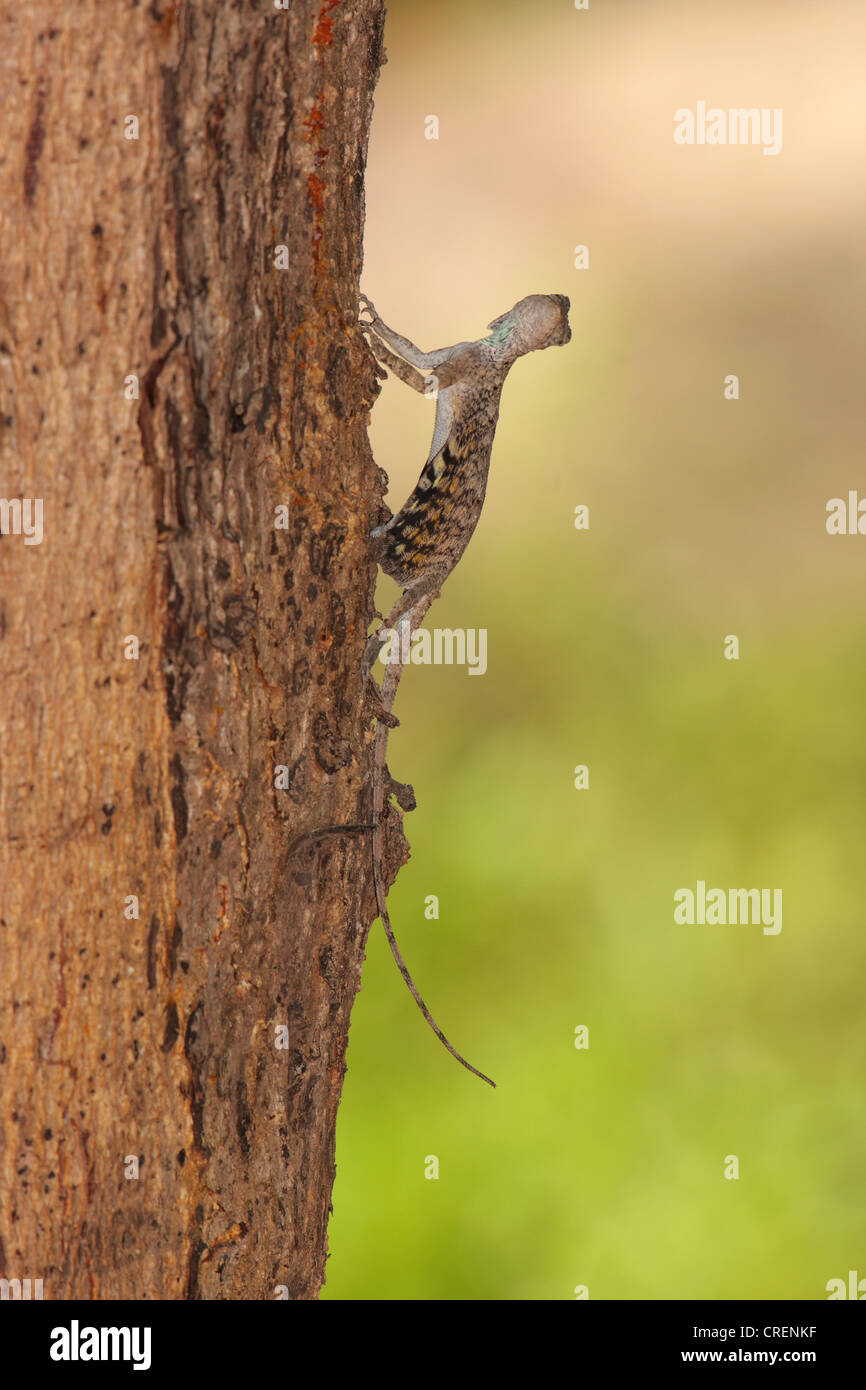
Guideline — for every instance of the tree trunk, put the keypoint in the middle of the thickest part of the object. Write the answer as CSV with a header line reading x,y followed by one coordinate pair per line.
x,y
180,947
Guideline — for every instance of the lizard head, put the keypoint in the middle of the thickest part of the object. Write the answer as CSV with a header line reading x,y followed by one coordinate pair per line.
x,y
538,321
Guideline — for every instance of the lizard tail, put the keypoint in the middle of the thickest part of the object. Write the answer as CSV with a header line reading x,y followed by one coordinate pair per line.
x,y
413,988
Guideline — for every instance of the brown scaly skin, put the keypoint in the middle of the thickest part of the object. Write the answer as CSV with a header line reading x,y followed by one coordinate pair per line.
x,y
420,546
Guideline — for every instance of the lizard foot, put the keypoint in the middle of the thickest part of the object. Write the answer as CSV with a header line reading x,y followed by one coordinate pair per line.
x,y
403,793
366,306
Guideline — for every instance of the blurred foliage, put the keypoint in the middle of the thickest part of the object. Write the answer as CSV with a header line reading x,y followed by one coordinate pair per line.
x,y
605,1167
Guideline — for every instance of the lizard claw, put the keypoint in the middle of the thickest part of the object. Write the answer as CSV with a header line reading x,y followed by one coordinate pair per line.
x,y
366,306
403,793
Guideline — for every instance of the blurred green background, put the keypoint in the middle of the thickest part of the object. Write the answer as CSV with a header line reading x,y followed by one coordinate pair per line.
x,y
605,1167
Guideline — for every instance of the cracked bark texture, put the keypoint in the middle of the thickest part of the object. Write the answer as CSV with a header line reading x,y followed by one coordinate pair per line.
x,y
155,1037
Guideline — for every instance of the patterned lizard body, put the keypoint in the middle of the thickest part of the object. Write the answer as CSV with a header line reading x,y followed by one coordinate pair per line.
x,y
430,533
420,546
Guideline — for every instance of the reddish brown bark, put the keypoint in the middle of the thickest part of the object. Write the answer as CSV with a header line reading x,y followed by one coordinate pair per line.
x,y
155,1036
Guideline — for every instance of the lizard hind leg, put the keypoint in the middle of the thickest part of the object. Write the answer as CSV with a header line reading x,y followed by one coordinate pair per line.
x,y
403,618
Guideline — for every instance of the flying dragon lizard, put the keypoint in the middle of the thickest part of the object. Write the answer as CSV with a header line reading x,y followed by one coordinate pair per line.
x,y
422,543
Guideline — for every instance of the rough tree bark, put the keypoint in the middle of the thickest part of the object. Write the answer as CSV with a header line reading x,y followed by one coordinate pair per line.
x,y
166,902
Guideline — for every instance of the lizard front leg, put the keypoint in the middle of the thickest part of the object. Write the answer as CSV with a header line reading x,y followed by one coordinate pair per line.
x,y
397,365
425,361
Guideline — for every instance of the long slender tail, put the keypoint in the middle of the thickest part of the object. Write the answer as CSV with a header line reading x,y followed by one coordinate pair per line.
x,y
389,690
